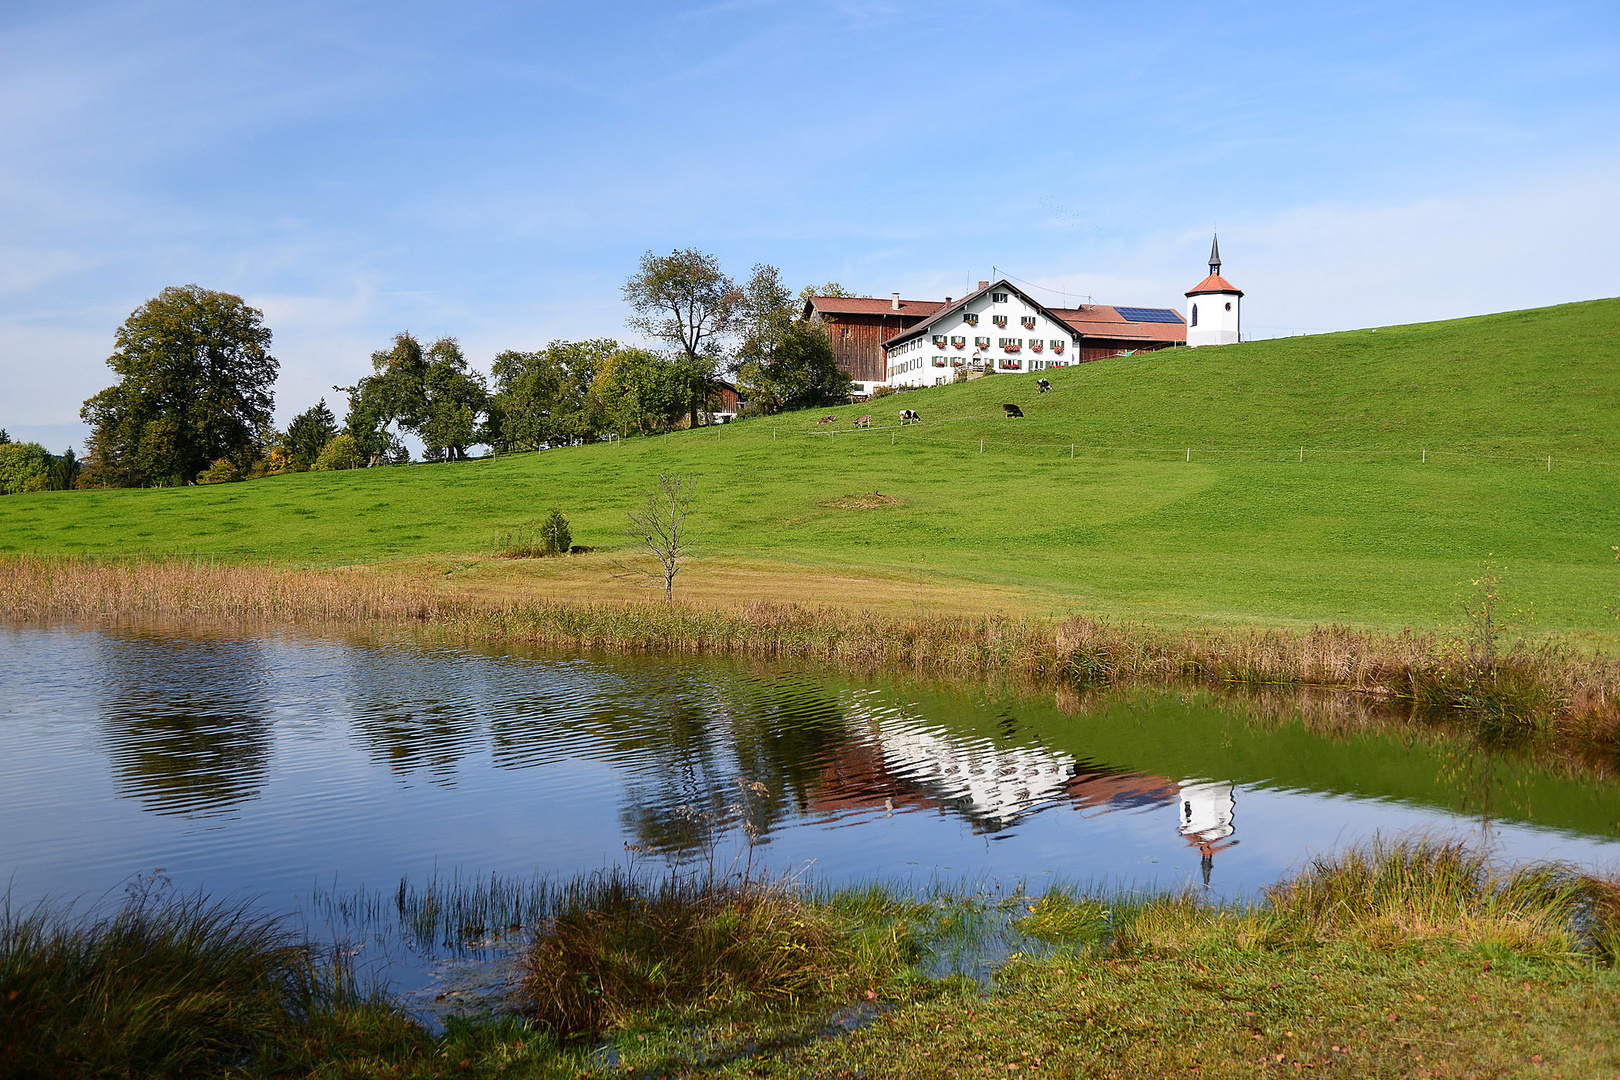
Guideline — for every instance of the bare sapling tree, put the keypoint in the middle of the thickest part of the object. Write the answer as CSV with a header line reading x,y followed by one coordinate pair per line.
x,y
663,529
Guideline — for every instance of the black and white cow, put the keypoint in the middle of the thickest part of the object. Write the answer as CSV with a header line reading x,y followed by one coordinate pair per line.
x,y
1012,411
908,417
1043,385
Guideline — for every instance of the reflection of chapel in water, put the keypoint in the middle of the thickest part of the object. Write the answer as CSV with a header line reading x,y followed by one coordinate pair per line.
x,y
903,764
1207,810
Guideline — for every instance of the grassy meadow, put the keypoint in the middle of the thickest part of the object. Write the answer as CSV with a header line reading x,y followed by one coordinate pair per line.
x,y
1307,496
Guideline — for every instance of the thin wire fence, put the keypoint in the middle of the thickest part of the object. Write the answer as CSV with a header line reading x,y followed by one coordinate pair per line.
x,y
919,434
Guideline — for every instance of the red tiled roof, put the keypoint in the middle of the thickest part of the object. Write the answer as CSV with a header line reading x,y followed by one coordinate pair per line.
x,y
867,305
1100,320
1214,283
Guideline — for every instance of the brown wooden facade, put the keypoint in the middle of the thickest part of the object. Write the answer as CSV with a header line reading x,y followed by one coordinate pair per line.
x,y
857,327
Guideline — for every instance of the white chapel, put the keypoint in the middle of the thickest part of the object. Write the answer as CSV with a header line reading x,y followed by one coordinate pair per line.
x,y
1214,306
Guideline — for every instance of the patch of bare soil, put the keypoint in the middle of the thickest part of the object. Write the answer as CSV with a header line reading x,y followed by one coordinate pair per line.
x,y
863,502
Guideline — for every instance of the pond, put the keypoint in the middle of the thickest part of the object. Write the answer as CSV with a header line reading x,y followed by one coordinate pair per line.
x,y
274,766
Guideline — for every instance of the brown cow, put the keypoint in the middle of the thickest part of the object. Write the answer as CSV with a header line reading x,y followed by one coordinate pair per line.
x,y
863,421
827,420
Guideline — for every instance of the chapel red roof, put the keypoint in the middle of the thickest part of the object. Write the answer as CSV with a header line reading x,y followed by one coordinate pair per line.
x,y
1213,284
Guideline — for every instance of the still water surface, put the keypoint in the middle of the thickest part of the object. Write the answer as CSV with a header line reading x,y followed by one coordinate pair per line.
x,y
272,765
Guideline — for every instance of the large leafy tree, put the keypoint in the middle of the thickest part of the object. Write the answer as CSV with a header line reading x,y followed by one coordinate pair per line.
x,y
195,385
543,398
686,301
782,361
640,390
428,392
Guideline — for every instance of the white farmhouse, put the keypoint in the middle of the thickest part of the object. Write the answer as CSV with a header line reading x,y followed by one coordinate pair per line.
x,y
1000,328
1215,306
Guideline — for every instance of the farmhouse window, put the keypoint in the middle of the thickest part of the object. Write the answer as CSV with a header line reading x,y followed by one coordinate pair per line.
x,y
999,320
970,318
998,298
1028,321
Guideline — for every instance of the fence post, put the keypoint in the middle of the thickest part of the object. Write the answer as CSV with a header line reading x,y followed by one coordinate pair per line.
x,y
1071,451
1302,455
1189,453
1549,463
1425,455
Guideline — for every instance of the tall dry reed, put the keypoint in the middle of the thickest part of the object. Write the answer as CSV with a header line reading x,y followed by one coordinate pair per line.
x,y
83,588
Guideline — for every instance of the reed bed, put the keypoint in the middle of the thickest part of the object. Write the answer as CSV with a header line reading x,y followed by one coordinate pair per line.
x,y
46,588
1505,691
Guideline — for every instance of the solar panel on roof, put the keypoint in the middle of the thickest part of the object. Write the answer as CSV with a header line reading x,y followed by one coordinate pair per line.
x,y
1148,314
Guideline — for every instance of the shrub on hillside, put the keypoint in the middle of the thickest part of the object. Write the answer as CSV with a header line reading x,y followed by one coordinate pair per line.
x,y
21,463
536,539
342,452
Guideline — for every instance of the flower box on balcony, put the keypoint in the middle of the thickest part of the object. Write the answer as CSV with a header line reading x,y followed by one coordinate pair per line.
x,y
1034,346
1057,347
939,361
1012,364
999,320
1028,321
981,343
958,342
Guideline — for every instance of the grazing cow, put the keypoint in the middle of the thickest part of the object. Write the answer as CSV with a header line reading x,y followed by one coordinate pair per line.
x,y
908,417
1012,411
1043,385
863,421
827,420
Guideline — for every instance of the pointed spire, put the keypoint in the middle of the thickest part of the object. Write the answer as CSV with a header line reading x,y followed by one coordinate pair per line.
x,y
1215,255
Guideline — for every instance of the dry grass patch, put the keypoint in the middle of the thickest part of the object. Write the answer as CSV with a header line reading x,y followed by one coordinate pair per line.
x,y
863,502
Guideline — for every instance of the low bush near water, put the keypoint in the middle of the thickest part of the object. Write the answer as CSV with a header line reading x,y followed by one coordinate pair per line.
x,y
626,948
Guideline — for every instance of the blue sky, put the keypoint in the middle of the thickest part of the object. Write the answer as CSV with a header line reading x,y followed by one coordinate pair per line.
x,y
493,171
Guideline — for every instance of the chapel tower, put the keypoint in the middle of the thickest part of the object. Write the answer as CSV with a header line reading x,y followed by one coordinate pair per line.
x,y
1214,306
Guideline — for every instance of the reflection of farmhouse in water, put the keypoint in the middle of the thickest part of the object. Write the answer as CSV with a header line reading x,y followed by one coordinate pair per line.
x,y
902,764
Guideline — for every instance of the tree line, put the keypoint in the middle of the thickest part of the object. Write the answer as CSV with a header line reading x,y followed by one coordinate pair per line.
x,y
195,393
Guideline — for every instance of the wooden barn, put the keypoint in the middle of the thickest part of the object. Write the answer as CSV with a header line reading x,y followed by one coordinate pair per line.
x,y
858,326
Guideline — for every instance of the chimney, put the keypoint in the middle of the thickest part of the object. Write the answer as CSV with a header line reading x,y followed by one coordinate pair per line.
x,y
894,301
983,285
947,301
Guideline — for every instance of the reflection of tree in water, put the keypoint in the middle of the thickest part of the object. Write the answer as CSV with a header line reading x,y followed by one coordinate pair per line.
x,y
420,712
713,753
184,720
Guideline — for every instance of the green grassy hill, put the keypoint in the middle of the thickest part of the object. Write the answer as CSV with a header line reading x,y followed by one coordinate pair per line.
x,y
1362,529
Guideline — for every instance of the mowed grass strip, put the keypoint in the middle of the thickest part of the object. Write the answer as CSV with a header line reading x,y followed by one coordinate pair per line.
x,y
1307,496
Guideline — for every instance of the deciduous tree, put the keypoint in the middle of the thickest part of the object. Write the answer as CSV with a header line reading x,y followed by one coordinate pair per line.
x,y
544,398
684,299
782,361
641,390
195,385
